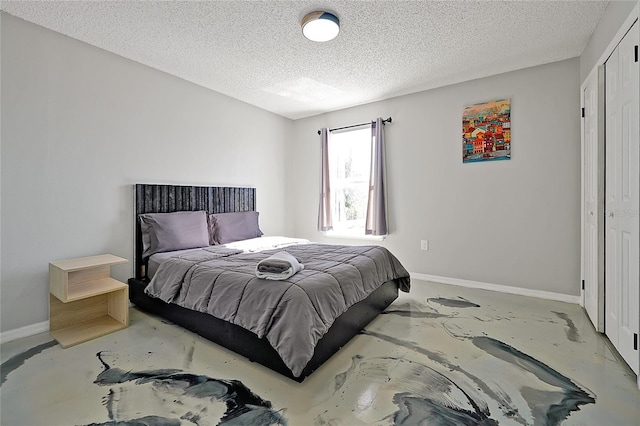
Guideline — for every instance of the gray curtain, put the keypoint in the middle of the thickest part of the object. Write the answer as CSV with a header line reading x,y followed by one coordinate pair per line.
x,y
376,221
325,222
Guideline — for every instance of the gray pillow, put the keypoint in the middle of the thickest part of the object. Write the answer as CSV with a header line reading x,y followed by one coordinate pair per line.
x,y
173,231
236,226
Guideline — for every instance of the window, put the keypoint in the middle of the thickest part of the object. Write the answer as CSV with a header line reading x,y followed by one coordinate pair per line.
x,y
352,182
349,169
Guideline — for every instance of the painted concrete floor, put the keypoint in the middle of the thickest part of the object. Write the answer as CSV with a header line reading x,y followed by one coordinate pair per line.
x,y
439,355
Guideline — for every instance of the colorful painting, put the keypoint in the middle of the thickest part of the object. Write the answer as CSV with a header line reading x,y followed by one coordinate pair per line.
x,y
486,131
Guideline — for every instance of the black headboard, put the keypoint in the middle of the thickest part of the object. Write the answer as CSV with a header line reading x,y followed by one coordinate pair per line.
x,y
151,198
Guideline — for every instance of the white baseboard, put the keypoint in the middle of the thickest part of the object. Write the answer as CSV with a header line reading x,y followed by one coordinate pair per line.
x,y
25,331
500,288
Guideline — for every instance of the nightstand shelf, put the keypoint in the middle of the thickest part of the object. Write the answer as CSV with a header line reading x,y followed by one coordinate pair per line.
x,y
85,302
93,288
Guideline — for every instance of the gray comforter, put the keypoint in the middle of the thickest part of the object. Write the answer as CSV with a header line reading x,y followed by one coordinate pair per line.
x,y
292,314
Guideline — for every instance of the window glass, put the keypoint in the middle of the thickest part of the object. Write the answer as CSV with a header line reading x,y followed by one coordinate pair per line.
x,y
349,163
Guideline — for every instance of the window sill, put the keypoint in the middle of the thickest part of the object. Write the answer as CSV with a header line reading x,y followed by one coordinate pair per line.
x,y
347,235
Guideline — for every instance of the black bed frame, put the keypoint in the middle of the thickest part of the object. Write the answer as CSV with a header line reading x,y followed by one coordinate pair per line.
x,y
170,198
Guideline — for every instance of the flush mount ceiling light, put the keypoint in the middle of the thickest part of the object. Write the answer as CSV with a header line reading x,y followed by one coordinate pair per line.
x,y
320,26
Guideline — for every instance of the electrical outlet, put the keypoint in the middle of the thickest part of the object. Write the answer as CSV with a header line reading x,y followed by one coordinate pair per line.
x,y
424,245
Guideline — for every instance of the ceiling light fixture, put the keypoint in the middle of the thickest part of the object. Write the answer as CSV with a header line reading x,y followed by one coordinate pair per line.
x,y
320,26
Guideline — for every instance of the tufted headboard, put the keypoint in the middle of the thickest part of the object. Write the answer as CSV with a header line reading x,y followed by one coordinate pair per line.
x,y
153,198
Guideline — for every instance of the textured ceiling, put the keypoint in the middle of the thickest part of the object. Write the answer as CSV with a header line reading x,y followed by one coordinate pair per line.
x,y
254,51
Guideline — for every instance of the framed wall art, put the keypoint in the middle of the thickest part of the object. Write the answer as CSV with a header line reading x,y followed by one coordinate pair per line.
x,y
486,131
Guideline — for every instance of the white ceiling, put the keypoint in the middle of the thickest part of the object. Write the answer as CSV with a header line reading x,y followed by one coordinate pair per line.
x,y
254,51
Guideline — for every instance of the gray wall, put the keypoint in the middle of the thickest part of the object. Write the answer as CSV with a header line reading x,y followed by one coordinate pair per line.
x,y
80,126
513,222
610,23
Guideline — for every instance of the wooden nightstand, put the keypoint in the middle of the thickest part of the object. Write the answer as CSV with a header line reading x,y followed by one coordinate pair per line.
x,y
85,302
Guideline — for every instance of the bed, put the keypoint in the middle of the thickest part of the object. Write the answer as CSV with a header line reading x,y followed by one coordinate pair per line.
x,y
185,285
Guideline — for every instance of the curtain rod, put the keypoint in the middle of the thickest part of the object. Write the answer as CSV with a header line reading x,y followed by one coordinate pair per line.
x,y
388,120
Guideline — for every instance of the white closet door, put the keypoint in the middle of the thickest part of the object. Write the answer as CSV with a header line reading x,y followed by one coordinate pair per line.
x,y
612,298
622,242
593,199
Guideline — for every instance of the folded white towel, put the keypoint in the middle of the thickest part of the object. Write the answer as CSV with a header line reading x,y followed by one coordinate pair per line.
x,y
279,266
